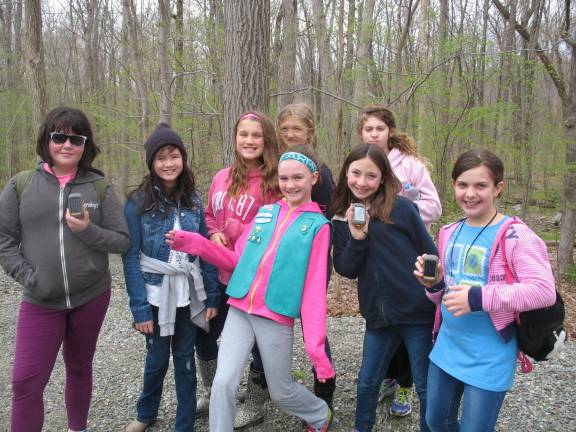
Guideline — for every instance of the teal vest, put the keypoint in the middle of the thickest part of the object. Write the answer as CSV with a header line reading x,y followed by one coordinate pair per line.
x,y
286,283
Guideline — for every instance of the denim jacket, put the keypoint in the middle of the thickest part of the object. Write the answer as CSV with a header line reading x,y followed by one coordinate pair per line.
x,y
147,230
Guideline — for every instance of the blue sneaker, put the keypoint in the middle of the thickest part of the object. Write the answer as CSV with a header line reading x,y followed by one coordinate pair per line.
x,y
402,403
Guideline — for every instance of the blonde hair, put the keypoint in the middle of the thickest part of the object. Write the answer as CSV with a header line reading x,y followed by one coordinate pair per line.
x,y
302,111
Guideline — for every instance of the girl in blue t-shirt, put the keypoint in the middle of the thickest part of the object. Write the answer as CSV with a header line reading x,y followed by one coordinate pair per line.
x,y
474,358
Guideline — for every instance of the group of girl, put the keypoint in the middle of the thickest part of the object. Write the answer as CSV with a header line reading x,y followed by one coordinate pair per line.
x,y
257,258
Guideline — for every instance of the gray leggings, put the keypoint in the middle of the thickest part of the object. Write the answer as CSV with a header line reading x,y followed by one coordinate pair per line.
x,y
275,342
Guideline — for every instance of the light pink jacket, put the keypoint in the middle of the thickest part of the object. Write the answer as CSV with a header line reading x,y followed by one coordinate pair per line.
x,y
313,311
231,216
409,169
527,258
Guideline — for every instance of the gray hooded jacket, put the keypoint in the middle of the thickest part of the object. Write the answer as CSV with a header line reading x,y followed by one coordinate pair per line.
x,y
58,268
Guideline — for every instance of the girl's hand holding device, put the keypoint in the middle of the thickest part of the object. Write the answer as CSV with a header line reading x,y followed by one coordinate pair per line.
x,y
428,279
354,215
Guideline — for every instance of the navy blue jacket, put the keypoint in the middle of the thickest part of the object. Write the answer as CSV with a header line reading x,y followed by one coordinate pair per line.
x,y
322,192
383,262
147,230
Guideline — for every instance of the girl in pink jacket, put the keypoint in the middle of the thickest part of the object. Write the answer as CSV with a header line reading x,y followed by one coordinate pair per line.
x,y
377,125
235,195
270,287
474,358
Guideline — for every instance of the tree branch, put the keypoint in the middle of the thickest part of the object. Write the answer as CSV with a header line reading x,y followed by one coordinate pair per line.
x,y
552,73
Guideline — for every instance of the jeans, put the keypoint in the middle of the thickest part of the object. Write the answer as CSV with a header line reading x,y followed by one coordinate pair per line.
x,y
157,360
207,343
399,368
379,348
480,407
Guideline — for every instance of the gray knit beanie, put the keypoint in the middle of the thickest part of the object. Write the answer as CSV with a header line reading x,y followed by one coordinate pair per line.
x,y
163,135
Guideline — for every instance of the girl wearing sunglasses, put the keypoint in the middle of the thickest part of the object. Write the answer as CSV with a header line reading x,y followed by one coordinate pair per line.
x,y
66,283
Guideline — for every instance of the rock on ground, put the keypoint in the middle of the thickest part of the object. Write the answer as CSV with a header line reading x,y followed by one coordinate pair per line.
x,y
541,401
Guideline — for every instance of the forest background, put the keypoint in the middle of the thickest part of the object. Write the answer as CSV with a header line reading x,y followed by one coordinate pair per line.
x,y
457,73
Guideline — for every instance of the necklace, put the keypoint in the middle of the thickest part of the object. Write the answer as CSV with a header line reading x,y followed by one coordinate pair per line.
x,y
471,244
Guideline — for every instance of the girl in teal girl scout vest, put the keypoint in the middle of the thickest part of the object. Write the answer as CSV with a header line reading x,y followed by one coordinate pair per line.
x,y
270,287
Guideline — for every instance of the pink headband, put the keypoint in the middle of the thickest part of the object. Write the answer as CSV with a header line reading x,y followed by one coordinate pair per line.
x,y
249,116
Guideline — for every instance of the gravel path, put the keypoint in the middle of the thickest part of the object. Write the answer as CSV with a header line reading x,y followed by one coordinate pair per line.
x,y
541,401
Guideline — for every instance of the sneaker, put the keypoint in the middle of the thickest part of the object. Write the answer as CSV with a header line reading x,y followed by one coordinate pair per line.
x,y
402,403
388,389
324,428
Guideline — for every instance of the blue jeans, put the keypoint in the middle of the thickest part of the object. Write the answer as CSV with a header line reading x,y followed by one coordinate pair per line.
x,y
157,360
480,407
379,348
207,343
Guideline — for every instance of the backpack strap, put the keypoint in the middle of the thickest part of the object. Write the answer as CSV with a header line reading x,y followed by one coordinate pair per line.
x,y
100,186
525,363
21,180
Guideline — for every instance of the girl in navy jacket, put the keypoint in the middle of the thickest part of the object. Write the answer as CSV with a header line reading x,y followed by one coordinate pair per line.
x,y
381,254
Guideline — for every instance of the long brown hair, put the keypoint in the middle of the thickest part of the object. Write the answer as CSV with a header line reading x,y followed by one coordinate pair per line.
x,y
269,161
398,140
383,199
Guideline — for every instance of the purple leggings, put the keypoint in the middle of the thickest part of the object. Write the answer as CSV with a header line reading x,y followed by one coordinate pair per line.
x,y
39,334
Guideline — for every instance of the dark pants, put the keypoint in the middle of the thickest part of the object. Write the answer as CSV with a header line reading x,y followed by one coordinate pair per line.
x,y
157,360
39,334
399,368
207,343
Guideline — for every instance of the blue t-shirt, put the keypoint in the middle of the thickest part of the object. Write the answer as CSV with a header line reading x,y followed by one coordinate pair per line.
x,y
468,347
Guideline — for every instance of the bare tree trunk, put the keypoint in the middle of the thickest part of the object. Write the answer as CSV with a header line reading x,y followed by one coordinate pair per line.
x,y
423,35
364,55
165,69
326,66
138,66
246,62
288,53
35,61
179,48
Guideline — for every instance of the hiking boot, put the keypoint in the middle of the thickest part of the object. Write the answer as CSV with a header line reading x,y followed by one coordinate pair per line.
x,y
206,370
137,426
387,389
325,427
402,404
252,411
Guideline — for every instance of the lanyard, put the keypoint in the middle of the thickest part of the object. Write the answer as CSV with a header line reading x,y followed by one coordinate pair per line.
x,y
471,244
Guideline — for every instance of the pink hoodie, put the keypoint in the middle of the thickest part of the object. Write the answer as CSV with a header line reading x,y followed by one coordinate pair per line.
x,y
409,169
314,309
230,216
527,257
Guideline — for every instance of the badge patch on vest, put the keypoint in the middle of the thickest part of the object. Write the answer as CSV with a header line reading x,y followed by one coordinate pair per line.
x,y
263,217
306,226
254,237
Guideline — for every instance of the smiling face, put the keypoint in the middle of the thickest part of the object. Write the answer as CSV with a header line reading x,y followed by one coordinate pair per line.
x,y
364,179
250,142
476,193
376,131
167,165
65,157
294,131
296,181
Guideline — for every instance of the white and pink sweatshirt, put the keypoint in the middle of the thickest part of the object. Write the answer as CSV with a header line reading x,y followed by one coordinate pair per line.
x,y
314,308
411,170
231,216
